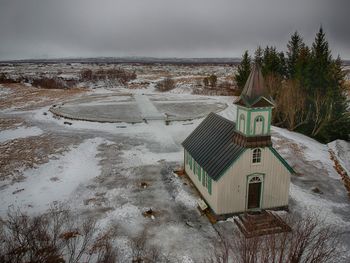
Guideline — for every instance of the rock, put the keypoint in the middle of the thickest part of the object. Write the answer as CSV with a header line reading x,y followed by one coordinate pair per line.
x,y
190,224
316,190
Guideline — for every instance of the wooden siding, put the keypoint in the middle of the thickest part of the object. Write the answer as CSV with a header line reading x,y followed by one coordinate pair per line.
x,y
211,199
232,196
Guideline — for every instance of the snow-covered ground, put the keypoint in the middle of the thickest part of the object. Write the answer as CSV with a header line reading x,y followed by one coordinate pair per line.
x,y
102,175
20,132
54,181
342,151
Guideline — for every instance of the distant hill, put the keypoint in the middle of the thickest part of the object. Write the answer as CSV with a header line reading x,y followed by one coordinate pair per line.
x,y
132,60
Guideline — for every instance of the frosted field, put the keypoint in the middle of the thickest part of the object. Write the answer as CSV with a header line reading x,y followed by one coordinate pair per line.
x,y
98,168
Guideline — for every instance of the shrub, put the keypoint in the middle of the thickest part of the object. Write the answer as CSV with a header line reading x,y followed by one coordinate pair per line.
x,y
165,84
114,74
51,83
55,237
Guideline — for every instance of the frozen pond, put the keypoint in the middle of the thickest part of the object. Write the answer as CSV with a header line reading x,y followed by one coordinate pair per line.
x,y
137,108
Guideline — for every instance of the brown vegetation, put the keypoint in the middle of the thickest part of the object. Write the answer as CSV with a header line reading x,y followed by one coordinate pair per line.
x,y
23,153
165,84
27,98
53,83
114,74
308,242
56,236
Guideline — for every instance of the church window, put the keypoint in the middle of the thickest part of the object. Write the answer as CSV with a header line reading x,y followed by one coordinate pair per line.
x,y
259,125
255,179
241,123
257,155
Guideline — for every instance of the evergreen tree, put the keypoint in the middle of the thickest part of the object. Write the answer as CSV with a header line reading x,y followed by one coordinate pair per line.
x,y
320,63
330,118
302,67
243,70
338,126
273,62
294,46
258,56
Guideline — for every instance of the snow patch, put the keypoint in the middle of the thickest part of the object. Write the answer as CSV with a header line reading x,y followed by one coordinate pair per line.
x,y
342,150
4,91
56,180
318,205
20,132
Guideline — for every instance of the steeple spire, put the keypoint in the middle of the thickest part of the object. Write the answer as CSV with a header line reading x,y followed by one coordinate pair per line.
x,y
254,93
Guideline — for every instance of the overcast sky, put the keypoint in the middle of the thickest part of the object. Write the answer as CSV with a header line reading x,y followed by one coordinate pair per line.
x,y
165,28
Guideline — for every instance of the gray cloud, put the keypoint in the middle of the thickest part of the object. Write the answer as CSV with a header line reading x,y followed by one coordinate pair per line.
x,y
183,28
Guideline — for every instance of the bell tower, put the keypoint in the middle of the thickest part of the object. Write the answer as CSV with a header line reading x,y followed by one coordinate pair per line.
x,y
254,108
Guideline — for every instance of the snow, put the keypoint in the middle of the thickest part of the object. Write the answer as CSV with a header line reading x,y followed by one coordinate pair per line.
x,y
311,150
141,155
4,91
147,109
342,151
318,206
56,180
20,132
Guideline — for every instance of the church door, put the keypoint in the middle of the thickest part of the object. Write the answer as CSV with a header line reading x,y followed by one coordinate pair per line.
x,y
254,193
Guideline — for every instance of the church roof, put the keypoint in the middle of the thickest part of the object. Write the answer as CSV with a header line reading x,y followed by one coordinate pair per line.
x,y
211,145
254,93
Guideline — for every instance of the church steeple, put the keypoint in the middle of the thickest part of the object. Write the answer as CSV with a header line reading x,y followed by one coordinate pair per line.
x,y
254,93
254,108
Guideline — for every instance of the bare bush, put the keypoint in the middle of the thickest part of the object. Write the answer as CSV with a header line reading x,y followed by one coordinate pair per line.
x,y
56,236
291,105
165,84
4,78
143,252
52,83
112,75
212,80
310,241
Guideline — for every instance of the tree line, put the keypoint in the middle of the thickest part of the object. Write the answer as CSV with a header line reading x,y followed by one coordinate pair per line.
x,y
307,85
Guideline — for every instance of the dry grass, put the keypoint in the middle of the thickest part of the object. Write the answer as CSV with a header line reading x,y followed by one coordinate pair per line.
x,y
28,98
10,123
20,154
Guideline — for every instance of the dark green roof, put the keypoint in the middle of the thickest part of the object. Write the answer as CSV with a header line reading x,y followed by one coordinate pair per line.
x,y
211,145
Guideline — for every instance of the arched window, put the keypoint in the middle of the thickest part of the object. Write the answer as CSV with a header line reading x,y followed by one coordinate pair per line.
x,y
255,179
241,123
256,155
259,125
259,119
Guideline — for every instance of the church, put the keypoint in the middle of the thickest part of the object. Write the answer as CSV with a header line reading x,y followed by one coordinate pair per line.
x,y
233,164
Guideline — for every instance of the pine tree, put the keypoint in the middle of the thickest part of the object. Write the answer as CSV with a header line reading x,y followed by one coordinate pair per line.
x,y
330,118
340,117
294,46
243,70
273,62
258,56
320,62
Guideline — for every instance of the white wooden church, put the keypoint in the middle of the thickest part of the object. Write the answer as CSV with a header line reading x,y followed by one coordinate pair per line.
x,y
234,165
